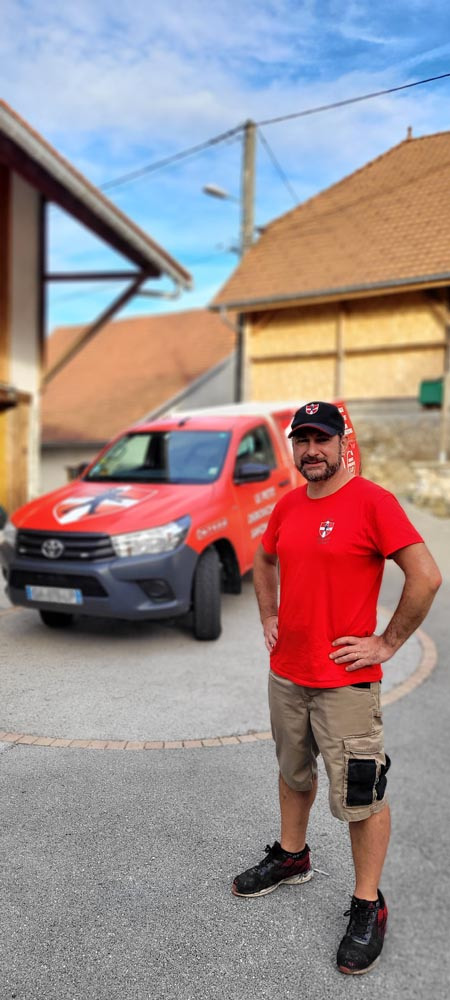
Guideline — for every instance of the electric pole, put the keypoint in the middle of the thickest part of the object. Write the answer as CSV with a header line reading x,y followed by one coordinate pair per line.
x,y
246,239
247,186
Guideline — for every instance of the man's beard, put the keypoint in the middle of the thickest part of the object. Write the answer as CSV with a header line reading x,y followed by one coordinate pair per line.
x,y
316,473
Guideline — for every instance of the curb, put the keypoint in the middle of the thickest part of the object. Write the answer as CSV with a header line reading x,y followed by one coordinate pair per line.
x,y
25,739
426,665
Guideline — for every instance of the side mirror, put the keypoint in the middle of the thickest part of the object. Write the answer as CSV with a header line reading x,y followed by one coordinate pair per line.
x,y
75,471
3,518
251,472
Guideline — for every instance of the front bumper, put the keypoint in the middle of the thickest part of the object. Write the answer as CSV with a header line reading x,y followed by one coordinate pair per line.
x,y
139,587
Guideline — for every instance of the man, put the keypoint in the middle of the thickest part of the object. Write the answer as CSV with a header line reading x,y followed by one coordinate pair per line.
x,y
330,539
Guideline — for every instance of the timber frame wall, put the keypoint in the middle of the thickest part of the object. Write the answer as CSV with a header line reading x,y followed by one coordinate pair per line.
x,y
5,209
360,349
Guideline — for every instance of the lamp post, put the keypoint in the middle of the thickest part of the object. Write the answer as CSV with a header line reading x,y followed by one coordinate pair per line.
x,y
246,201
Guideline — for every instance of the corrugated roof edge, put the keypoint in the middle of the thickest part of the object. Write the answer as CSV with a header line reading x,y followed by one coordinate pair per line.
x,y
333,293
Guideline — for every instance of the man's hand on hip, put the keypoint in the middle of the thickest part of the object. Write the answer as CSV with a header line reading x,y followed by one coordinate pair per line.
x,y
361,651
270,627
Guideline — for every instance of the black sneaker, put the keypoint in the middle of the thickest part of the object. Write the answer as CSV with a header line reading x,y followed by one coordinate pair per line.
x,y
363,940
276,868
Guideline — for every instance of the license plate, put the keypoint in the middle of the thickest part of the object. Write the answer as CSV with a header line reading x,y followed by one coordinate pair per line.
x,y
54,595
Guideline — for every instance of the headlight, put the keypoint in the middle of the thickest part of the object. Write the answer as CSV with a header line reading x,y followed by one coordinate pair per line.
x,y
162,539
9,534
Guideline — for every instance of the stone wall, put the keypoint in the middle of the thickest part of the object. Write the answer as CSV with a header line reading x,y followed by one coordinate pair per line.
x,y
400,443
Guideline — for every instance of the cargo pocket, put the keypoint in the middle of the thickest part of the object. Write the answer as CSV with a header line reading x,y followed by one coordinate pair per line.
x,y
380,785
365,767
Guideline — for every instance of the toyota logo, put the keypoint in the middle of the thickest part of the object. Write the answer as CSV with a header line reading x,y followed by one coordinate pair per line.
x,y
52,548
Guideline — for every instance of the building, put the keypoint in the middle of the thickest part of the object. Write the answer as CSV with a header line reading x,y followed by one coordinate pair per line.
x,y
32,175
348,294
133,369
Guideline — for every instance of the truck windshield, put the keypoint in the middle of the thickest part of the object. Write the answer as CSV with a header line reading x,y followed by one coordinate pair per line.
x,y
179,456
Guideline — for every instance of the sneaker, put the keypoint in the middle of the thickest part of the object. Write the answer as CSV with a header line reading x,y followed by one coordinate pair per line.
x,y
276,868
363,940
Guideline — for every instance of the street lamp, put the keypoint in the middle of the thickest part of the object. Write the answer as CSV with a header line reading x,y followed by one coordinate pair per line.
x,y
217,192
247,197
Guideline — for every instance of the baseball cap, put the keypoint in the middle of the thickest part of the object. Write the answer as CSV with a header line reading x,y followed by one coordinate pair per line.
x,y
322,416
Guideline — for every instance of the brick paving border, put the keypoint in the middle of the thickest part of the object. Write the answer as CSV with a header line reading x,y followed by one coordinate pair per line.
x,y
426,665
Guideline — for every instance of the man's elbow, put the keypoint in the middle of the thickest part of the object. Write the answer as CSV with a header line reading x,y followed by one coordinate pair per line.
x,y
432,579
435,581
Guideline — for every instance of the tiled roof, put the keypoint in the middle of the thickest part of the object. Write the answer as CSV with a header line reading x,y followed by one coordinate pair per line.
x,y
387,224
128,369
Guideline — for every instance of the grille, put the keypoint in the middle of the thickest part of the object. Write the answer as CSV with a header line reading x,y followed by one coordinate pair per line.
x,y
89,586
86,548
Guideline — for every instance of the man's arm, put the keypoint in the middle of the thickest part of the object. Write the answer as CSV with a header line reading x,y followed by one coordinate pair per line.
x,y
422,580
265,579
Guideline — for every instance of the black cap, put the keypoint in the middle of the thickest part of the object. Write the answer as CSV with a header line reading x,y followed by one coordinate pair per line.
x,y
322,416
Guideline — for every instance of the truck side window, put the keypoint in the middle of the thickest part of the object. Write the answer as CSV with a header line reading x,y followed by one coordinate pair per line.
x,y
256,447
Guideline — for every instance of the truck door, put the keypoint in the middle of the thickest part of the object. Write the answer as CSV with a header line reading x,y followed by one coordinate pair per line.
x,y
256,501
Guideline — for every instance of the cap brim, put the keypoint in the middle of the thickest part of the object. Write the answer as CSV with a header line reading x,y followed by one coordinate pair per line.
x,y
316,427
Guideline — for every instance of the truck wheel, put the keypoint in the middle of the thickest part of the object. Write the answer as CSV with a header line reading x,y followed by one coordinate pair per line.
x,y
56,619
206,596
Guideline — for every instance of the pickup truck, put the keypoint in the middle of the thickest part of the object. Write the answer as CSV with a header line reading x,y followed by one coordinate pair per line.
x,y
167,516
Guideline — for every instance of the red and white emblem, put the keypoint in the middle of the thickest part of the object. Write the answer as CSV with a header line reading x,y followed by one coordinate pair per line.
x,y
326,528
312,408
349,461
109,501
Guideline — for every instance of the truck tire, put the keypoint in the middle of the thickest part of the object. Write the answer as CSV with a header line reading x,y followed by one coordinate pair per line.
x,y
206,596
56,619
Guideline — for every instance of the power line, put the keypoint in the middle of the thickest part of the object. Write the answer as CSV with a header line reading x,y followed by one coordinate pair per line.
x,y
350,100
174,158
279,168
231,133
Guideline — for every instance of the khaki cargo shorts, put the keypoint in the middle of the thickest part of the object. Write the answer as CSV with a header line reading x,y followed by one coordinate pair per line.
x,y
344,725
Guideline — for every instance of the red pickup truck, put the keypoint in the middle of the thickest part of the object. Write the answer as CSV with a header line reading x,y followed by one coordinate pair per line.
x,y
165,517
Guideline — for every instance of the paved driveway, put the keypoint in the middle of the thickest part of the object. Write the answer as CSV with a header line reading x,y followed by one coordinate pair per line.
x,y
117,864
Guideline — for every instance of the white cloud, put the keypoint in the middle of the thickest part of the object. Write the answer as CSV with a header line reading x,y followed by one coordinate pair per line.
x,y
115,87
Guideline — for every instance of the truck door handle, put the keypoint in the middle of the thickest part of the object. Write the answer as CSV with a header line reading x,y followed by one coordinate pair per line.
x,y
284,482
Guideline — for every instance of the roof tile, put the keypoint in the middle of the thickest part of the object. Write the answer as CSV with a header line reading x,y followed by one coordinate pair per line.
x,y
387,222
131,367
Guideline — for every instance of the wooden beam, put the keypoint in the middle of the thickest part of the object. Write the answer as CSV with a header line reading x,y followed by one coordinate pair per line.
x,y
42,294
423,345
439,307
5,265
7,398
54,191
91,330
340,354
443,430
91,276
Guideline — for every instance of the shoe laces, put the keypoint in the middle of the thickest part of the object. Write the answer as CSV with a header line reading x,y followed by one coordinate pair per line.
x,y
269,852
360,919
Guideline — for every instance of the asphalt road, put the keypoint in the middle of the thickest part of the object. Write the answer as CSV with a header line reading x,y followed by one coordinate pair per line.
x,y
116,865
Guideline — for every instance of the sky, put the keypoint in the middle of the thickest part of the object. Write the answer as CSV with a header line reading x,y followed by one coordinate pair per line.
x,y
115,87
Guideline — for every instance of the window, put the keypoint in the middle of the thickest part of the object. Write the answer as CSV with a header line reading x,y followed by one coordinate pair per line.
x,y
166,456
256,447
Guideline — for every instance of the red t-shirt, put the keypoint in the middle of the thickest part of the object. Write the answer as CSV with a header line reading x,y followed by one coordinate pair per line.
x,y
331,553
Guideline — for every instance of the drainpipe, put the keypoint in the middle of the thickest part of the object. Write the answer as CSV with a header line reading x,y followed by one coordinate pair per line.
x,y
340,354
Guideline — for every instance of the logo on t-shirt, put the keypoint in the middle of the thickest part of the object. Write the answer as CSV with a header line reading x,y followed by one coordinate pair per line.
x,y
312,408
326,528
